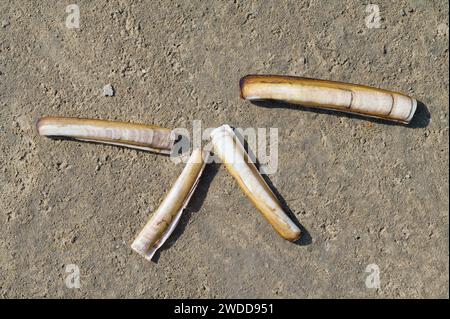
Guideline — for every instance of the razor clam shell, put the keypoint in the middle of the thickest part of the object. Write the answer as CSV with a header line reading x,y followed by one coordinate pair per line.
x,y
138,136
349,98
166,217
232,153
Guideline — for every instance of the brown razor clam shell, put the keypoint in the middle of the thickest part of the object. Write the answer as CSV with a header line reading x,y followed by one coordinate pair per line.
x,y
345,97
139,136
166,217
236,160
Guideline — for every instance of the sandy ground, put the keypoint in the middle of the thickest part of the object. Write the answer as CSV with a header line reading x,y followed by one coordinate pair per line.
x,y
366,192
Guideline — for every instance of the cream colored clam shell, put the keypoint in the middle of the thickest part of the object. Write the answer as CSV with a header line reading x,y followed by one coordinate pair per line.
x,y
166,217
138,136
232,153
350,98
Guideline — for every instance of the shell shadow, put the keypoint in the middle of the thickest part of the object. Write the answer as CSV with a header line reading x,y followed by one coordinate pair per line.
x,y
305,238
421,118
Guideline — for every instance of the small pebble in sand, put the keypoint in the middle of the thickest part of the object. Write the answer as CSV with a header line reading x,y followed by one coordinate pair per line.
x,y
5,23
108,90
